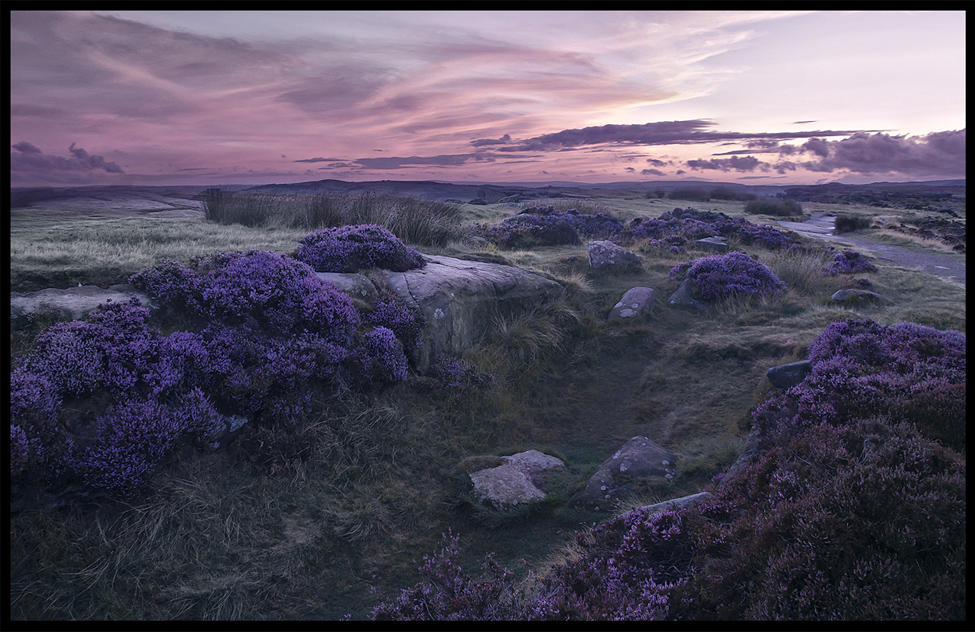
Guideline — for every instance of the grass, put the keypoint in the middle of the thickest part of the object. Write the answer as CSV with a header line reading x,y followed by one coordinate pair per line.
x,y
302,523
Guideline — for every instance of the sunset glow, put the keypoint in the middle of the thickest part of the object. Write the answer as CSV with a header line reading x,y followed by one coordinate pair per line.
x,y
214,97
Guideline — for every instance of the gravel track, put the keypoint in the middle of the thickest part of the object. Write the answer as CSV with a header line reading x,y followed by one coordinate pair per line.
x,y
948,266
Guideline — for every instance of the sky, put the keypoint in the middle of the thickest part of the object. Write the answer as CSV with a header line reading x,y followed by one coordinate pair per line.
x,y
240,97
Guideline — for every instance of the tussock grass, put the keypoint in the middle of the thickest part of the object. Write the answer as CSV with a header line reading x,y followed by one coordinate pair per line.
x,y
415,221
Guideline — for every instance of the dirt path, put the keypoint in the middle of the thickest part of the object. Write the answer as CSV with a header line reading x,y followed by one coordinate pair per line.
x,y
948,266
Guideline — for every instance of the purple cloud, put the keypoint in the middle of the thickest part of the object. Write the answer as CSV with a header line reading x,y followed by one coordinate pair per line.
x,y
504,140
26,148
319,159
653,172
735,163
661,133
938,153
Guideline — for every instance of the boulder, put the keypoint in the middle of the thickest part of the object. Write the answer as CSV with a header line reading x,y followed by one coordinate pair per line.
x,y
636,301
355,285
69,304
684,295
853,298
515,481
638,458
714,244
605,255
461,299
786,375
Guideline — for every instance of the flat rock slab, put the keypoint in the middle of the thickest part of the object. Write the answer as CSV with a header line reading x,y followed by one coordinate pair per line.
x,y
611,484
68,304
856,297
461,300
514,482
635,302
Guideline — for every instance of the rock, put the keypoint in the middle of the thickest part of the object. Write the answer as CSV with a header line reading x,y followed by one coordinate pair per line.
x,y
853,298
355,285
460,300
478,202
636,301
225,435
673,503
684,295
510,198
638,458
605,255
70,304
716,244
786,375
514,482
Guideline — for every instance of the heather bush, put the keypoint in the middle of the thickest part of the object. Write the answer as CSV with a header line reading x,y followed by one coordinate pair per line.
x,y
379,357
458,374
597,224
351,248
450,594
108,351
133,440
718,276
690,224
848,262
407,323
527,231
783,207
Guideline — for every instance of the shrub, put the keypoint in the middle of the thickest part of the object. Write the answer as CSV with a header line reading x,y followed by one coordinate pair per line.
x,y
690,194
527,231
454,373
779,207
131,443
406,322
379,357
850,223
848,262
718,276
690,224
351,248
725,193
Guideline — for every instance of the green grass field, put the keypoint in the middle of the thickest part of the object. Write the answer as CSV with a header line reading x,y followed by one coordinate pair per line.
x,y
304,523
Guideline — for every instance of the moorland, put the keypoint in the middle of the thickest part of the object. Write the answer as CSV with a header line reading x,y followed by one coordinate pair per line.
x,y
332,512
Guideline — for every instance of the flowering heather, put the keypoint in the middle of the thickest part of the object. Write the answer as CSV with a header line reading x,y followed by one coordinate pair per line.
x,y
848,262
34,431
454,373
526,231
586,224
406,322
717,276
379,357
351,248
131,442
108,351
691,224
906,371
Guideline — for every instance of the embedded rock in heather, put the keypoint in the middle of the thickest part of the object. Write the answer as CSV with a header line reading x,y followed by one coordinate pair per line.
x,y
853,298
673,503
786,375
638,458
715,244
461,299
636,301
514,482
605,255
70,304
355,285
684,296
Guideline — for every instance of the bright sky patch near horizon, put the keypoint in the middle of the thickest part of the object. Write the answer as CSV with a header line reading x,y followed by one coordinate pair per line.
x,y
241,97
